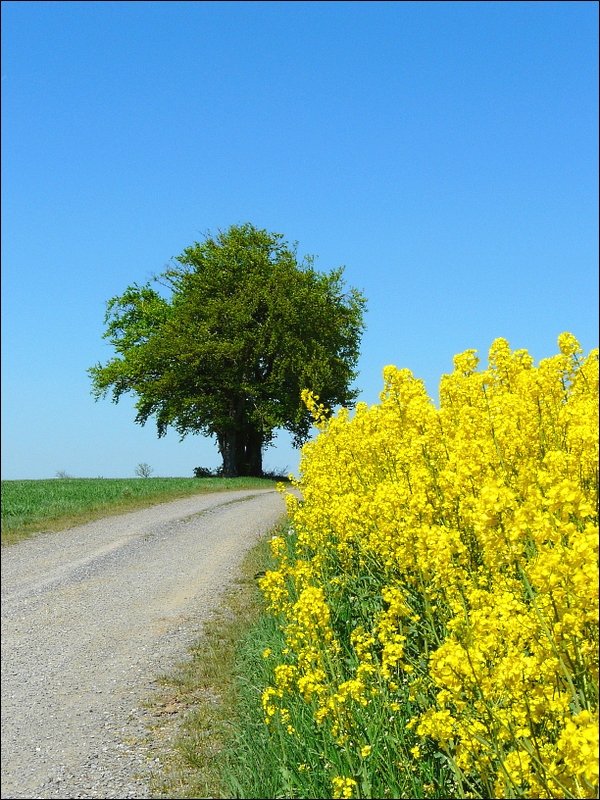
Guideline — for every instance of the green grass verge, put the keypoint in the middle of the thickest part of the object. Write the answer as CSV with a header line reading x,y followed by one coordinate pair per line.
x,y
205,696
31,506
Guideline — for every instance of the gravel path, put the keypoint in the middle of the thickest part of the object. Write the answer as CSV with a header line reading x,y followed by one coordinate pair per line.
x,y
91,617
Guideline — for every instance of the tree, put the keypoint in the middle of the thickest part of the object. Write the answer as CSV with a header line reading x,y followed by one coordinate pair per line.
x,y
238,328
143,470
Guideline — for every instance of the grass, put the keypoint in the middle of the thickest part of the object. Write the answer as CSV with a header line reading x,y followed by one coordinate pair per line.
x,y
31,506
213,710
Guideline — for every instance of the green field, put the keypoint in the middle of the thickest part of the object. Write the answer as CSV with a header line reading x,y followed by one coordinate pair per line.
x,y
57,503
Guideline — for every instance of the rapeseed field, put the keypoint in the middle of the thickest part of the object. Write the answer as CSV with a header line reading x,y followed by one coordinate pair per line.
x,y
437,592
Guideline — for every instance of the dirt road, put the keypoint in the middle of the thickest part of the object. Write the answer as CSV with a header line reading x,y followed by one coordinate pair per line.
x,y
91,617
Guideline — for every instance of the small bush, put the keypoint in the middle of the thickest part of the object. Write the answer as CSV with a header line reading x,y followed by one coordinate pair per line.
x,y
206,472
281,475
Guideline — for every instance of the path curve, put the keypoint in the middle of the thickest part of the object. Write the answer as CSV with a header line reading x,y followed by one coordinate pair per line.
x,y
91,617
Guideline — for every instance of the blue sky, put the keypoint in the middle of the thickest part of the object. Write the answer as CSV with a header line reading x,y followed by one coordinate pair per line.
x,y
445,153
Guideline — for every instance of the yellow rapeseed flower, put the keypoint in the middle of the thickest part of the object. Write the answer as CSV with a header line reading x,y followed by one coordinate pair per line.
x,y
446,559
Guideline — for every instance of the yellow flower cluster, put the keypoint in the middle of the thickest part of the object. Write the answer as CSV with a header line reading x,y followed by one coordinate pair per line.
x,y
343,787
450,556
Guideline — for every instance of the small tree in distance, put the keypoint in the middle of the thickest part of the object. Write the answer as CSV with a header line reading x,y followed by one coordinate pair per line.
x,y
143,470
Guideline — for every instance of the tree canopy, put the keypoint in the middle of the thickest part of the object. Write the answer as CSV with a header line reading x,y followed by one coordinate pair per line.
x,y
238,327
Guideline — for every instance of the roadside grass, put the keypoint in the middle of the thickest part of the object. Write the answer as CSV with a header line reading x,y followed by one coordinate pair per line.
x,y
214,710
33,506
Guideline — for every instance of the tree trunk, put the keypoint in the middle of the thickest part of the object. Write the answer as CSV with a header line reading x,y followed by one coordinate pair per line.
x,y
253,441
229,453
241,452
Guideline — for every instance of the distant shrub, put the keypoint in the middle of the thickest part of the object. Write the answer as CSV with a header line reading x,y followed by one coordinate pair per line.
x,y
202,472
281,475
206,472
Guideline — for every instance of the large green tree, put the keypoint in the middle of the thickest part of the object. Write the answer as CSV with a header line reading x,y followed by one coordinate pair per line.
x,y
225,345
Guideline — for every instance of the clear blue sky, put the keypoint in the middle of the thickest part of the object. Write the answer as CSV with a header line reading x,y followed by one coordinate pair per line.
x,y
445,153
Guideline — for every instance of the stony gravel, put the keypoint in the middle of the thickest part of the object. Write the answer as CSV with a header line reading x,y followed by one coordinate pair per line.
x,y
91,617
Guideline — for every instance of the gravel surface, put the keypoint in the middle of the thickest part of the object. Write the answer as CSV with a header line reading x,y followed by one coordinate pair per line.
x,y
91,617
